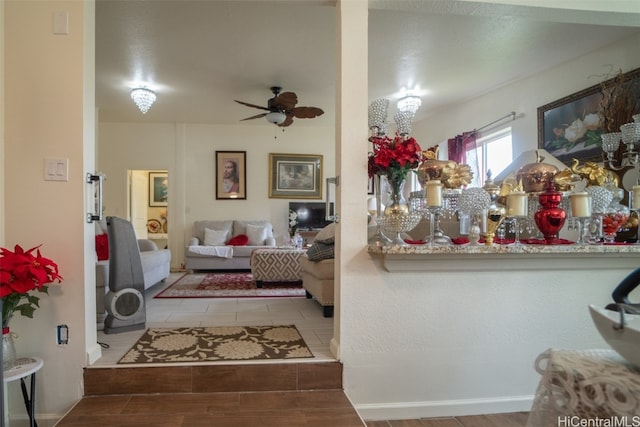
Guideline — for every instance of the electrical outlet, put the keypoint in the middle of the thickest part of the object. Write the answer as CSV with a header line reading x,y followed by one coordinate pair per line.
x,y
62,334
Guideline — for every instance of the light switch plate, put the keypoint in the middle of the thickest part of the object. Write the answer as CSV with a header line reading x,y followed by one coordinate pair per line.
x,y
56,169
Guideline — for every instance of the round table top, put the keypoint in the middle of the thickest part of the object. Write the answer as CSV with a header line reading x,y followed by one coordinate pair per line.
x,y
24,366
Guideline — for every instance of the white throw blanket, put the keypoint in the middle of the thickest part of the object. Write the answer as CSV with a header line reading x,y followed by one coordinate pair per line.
x,y
217,251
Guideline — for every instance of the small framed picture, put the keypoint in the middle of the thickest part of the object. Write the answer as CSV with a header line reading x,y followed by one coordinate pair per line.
x,y
295,176
158,188
231,175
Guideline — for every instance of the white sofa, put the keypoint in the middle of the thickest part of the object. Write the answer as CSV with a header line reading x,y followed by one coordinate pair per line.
x,y
208,248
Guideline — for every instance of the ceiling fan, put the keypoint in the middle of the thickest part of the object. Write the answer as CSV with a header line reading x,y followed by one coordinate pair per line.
x,y
281,109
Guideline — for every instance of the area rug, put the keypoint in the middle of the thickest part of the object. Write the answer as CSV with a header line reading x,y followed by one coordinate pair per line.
x,y
228,285
220,343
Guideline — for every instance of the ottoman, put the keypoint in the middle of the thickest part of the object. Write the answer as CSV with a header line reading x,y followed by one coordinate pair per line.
x,y
276,265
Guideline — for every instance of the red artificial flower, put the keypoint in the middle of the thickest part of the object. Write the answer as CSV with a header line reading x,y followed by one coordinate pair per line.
x,y
394,157
21,272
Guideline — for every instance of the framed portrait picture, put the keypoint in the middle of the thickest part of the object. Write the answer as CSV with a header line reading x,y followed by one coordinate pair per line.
x,y
570,127
231,175
295,176
158,188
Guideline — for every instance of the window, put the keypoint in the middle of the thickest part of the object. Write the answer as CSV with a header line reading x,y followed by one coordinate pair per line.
x,y
492,153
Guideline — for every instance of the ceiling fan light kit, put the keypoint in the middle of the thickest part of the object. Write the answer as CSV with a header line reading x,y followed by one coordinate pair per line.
x,y
276,117
143,98
281,109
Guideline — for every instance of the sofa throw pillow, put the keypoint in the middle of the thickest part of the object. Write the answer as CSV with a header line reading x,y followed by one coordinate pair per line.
x,y
102,246
257,234
239,240
319,251
327,234
215,237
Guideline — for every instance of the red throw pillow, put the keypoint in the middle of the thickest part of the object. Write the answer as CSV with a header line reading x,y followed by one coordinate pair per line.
x,y
102,246
239,240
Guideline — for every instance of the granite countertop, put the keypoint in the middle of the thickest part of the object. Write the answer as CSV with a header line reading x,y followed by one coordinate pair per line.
x,y
505,249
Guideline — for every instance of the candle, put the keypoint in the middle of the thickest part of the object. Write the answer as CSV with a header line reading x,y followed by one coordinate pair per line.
x,y
434,193
580,205
517,204
635,201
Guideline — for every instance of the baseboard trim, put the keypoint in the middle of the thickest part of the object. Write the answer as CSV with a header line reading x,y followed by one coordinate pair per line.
x,y
93,354
334,348
443,408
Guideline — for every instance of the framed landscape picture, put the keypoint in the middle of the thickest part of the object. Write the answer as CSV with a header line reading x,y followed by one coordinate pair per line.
x,y
231,175
295,176
570,127
158,188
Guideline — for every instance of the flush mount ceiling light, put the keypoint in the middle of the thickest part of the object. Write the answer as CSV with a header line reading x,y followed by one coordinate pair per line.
x,y
409,103
276,117
143,98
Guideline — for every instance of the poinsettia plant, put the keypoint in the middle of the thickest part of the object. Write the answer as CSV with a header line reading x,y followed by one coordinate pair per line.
x,y
394,157
20,273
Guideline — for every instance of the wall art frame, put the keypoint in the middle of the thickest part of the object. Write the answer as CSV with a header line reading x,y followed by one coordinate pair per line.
x,y
158,189
231,175
569,128
295,176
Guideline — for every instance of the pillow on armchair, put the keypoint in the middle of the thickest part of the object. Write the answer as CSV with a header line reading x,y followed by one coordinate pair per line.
x,y
319,251
327,234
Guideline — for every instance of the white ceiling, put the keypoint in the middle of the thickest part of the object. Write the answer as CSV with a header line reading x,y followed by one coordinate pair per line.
x,y
201,55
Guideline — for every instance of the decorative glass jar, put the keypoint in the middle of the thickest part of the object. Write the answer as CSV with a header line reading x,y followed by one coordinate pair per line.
x,y
615,216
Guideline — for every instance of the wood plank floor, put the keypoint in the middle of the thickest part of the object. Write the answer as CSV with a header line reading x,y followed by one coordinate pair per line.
x,y
321,408
516,419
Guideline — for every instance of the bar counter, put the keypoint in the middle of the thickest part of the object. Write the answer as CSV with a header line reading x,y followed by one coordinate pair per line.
x,y
522,257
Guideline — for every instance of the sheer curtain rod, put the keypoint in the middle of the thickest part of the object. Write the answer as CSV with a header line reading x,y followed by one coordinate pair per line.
x,y
511,114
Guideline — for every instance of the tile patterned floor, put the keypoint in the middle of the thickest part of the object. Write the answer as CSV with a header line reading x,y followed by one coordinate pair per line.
x,y
306,314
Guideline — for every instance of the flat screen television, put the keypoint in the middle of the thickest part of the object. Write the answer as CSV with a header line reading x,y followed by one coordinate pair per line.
x,y
311,215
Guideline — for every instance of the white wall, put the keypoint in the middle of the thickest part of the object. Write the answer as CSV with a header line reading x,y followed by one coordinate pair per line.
x,y
187,151
49,112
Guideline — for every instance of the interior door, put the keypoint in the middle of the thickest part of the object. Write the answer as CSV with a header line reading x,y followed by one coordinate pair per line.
x,y
138,193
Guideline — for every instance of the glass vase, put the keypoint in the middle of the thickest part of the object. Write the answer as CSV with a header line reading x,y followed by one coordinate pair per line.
x,y
614,217
8,350
397,204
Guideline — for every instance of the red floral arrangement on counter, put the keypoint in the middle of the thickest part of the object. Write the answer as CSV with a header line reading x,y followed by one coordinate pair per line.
x,y
21,272
394,157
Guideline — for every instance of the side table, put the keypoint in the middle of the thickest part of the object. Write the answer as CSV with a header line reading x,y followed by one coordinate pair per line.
x,y
276,265
24,367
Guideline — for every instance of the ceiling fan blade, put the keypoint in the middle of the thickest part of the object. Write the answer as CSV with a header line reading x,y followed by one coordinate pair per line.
x,y
306,112
257,116
252,105
287,121
285,100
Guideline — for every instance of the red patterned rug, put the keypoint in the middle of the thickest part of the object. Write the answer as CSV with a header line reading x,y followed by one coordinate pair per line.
x,y
229,285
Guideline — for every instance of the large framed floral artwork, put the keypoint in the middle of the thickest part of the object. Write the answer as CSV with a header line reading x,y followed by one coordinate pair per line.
x,y
295,176
570,127
231,175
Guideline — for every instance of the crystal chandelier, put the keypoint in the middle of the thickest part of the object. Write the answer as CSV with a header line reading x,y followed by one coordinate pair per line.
x,y
143,98
409,103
